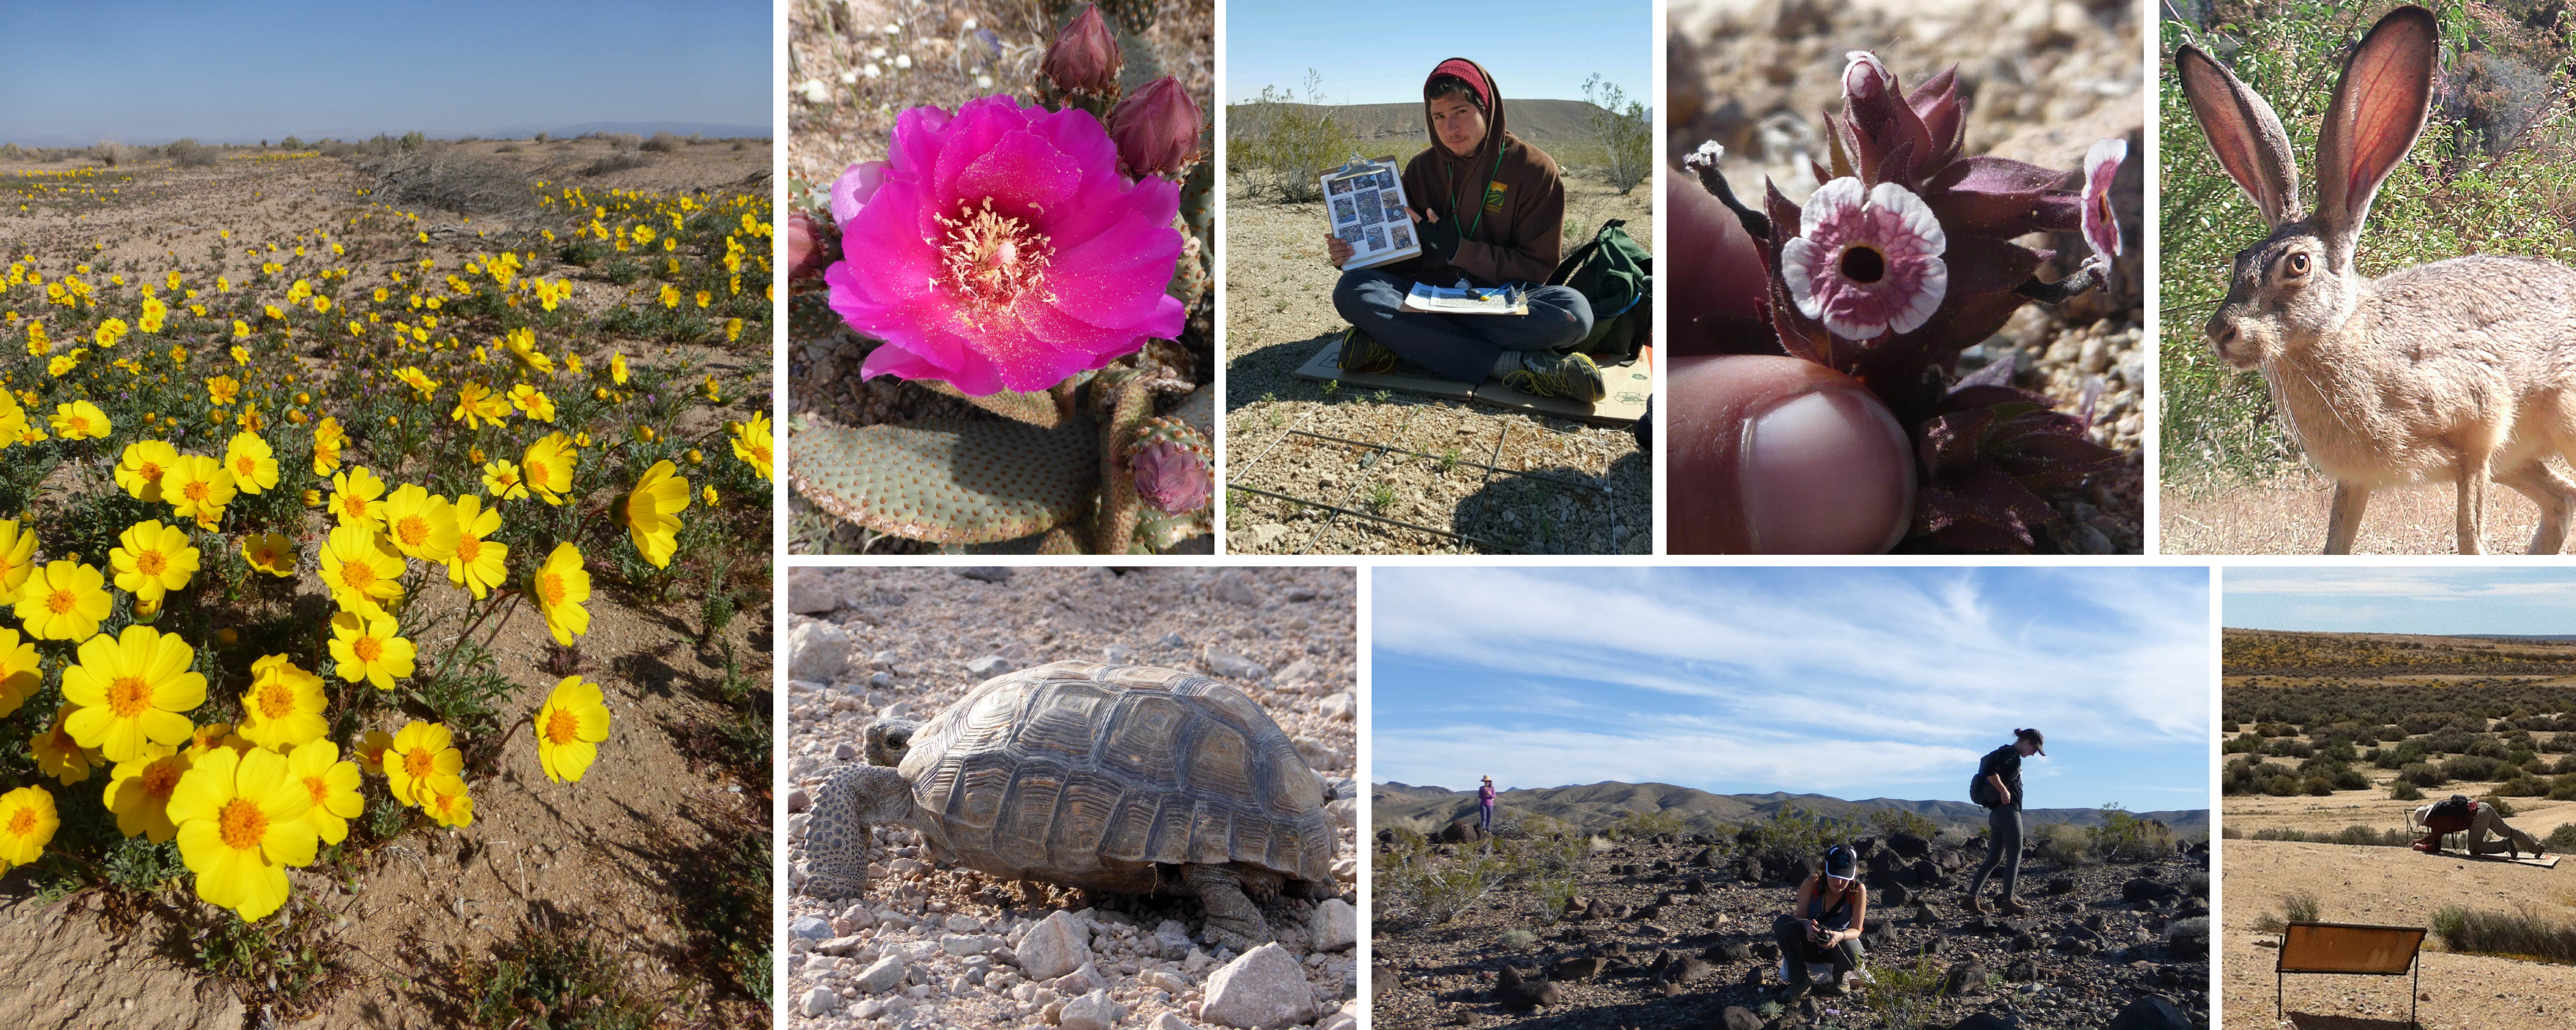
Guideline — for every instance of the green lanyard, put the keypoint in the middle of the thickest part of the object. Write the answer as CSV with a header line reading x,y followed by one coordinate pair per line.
x,y
1470,232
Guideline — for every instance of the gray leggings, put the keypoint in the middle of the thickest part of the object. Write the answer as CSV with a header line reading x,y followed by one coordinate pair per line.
x,y
2003,844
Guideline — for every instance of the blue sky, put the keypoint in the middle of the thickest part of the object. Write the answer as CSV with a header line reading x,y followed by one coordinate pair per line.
x,y
1848,682
2401,599
1541,49
220,70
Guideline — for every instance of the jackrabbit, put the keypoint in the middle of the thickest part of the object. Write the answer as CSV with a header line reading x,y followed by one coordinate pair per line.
x,y
2461,366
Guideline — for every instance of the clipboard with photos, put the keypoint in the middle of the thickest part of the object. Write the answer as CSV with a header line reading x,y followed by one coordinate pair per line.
x,y
1364,204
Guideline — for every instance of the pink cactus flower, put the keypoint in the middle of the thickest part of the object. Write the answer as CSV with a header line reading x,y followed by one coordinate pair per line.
x,y
1001,250
852,190
1171,478
2101,224
1866,263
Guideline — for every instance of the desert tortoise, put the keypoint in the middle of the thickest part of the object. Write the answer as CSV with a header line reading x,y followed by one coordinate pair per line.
x,y
1129,779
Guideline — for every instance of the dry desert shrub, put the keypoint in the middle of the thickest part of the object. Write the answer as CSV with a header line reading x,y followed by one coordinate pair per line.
x,y
448,180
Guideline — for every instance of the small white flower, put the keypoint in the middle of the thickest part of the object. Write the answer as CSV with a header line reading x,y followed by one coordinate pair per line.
x,y
871,70
983,82
1866,263
876,53
903,60
2101,223
970,24
815,91
893,29
849,78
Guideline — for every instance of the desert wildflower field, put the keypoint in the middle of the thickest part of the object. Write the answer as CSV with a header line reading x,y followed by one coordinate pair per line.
x,y
384,583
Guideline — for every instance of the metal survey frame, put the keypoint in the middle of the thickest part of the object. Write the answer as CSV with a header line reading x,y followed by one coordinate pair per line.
x,y
1383,449
2414,966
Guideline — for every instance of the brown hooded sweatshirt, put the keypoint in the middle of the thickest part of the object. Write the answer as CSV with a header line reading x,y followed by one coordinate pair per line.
x,y
1513,225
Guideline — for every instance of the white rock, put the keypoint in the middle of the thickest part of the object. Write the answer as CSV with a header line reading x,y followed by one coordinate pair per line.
x,y
1337,925
1265,989
819,1002
1339,1021
817,651
968,944
810,928
1171,1021
1058,945
1340,707
990,665
1093,1011
1079,982
1167,981
884,976
964,923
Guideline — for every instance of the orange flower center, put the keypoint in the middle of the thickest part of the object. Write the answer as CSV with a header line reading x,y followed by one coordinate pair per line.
x,y
197,490
151,472
276,701
354,505
536,470
550,588
245,466
61,601
242,824
761,451
150,563
413,530
417,762
78,424
22,822
128,696
368,649
357,574
319,788
159,779
468,547
562,727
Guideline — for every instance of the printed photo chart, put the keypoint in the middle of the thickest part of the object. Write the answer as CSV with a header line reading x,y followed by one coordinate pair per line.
x,y
1367,207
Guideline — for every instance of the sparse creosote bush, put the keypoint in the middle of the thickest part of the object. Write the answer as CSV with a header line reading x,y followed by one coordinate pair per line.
x,y
1904,996
1288,140
2526,932
1625,130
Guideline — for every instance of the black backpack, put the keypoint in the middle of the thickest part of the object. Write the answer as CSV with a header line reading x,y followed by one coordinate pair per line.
x,y
2452,815
1981,789
1616,274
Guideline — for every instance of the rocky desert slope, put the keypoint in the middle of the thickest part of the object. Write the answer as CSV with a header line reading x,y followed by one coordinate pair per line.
x,y
1674,930
934,945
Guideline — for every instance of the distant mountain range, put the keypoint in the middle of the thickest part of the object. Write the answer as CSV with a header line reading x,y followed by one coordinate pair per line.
x,y
1538,121
712,130
1596,805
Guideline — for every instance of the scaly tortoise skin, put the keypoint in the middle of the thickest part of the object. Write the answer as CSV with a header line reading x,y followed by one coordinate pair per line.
x,y
1128,779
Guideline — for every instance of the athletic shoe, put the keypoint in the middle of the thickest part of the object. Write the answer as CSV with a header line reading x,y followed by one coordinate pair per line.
x,y
1976,905
1548,374
2010,907
1364,356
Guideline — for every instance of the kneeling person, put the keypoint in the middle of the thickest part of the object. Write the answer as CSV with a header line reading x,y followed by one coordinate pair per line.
x,y
1488,208
2481,821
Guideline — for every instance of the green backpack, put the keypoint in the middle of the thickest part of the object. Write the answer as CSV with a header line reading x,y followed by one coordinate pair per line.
x,y
1617,275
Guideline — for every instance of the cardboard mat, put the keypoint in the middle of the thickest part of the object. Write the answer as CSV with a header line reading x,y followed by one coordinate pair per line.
x,y
2550,862
1630,385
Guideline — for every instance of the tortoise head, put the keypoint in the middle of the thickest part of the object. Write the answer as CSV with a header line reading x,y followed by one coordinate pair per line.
x,y
889,740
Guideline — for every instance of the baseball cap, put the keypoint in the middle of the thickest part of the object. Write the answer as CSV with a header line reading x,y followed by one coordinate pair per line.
x,y
2037,742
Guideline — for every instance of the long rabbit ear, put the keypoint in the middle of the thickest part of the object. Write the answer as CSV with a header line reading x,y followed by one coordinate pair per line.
x,y
2244,132
2379,108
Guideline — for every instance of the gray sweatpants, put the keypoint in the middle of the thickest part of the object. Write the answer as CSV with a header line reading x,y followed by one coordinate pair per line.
x,y
2003,844
2488,824
1458,346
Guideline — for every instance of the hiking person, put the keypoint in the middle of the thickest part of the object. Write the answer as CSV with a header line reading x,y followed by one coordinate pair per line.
x,y
2478,819
1490,209
1485,806
1997,786
1824,924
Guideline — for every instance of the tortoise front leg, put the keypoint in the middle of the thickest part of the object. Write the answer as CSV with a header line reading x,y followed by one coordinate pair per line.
x,y
847,807
1232,919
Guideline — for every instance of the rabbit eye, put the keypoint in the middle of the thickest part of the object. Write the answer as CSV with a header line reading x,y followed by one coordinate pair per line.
x,y
2298,263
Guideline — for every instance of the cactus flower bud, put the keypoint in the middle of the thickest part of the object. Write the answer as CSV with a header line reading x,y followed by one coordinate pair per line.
x,y
1157,129
1171,477
1085,56
806,256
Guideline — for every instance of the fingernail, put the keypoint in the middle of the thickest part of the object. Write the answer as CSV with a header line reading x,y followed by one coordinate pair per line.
x,y
1826,472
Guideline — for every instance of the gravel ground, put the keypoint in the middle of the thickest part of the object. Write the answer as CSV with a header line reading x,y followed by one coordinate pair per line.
x,y
2081,955
899,641
1279,313
2041,85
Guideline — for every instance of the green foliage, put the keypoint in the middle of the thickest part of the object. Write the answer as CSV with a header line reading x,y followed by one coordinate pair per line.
x,y
2525,933
1625,130
2446,199
1893,821
285,966
1515,939
1905,997
2404,791
1796,830
1645,824
1439,889
1285,142
557,981
2301,907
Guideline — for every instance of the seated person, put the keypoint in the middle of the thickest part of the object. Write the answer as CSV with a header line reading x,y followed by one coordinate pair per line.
x,y
1490,209
1824,924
